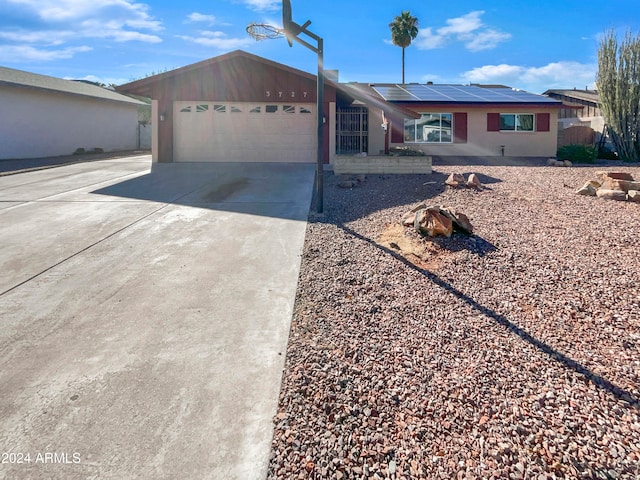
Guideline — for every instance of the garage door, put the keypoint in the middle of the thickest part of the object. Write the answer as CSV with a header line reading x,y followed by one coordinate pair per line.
x,y
244,132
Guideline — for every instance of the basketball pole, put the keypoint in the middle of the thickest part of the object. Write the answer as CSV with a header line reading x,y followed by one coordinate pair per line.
x,y
319,50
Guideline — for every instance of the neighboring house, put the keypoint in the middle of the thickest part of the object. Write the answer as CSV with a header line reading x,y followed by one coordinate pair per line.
x,y
580,119
43,116
241,107
580,107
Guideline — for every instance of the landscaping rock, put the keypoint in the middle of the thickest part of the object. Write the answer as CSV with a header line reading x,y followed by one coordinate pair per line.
x,y
601,175
459,220
509,354
611,194
431,222
633,196
455,180
347,184
408,219
587,189
474,182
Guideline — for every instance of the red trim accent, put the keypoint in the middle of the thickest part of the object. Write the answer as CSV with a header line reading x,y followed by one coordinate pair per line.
x,y
543,122
397,131
460,127
493,122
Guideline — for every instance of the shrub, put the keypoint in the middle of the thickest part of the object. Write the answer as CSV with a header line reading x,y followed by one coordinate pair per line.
x,y
577,153
607,155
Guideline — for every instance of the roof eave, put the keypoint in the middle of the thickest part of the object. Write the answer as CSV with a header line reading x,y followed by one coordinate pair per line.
x,y
127,100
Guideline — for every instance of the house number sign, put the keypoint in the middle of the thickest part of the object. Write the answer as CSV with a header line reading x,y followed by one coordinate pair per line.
x,y
280,94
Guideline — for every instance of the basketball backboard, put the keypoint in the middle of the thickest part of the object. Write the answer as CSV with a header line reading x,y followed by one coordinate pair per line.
x,y
287,22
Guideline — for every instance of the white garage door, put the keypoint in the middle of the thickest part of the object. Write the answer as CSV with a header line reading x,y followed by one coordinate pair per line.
x,y
244,132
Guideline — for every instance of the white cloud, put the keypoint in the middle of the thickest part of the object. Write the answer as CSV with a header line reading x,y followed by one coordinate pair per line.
x,y
263,5
468,29
102,80
67,10
428,40
47,38
74,20
20,53
462,25
217,39
114,30
486,40
563,74
201,17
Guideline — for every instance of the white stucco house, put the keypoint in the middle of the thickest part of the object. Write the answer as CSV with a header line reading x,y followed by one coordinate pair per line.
x,y
43,116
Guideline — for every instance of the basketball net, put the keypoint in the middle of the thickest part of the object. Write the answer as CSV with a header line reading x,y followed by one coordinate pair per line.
x,y
263,31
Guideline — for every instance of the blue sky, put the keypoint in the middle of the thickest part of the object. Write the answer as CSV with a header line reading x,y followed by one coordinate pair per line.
x,y
533,45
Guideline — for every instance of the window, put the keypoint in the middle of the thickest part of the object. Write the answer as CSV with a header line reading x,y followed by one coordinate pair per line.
x,y
220,108
429,128
271,109
202,108
289,108
304,110
257,109
516,122
186,109
235,109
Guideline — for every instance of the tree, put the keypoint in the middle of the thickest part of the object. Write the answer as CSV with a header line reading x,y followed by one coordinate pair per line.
x,y
404,29
618,82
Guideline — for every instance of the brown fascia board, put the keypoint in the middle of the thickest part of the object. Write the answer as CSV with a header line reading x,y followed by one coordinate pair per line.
x,y
143,86
423,105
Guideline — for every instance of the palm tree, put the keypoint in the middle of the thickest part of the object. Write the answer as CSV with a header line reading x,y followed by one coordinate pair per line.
x,y
404,28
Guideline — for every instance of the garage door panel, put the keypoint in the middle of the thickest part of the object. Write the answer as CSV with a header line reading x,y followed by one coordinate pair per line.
x,y
244,132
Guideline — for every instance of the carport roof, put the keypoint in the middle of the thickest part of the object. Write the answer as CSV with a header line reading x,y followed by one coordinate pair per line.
x,y
19,78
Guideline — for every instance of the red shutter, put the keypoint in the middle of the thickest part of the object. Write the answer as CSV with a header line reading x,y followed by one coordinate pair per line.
x,y
493,122
543,122
460,127
397,129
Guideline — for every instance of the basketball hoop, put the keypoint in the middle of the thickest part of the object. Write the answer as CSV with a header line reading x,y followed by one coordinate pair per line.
x,y
264,31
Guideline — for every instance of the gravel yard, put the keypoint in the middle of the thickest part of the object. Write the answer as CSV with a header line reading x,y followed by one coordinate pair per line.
x,y
512,354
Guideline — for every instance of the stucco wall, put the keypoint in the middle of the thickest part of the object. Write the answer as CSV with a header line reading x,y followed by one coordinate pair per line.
x,y
376,132
480,142
35,123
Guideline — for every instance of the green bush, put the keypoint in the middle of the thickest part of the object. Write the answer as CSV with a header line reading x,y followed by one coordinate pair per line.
x,y
607,155
577,153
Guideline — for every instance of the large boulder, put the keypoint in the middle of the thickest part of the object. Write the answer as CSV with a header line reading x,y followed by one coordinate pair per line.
x,y
431,222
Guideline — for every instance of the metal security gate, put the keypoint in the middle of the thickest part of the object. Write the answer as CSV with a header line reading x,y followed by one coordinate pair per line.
x,y
352,130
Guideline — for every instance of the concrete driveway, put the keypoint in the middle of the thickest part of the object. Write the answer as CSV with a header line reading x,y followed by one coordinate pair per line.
x,y
144,317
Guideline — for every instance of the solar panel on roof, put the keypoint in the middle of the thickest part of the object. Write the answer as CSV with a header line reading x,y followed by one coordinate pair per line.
x,y
457,93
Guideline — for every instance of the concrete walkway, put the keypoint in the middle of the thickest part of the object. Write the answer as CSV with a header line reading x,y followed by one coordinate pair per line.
x,y
144,317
